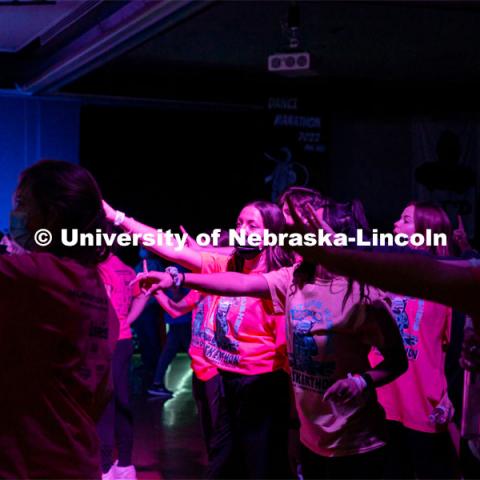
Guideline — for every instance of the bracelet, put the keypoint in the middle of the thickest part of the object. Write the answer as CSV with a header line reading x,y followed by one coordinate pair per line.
x,y
178,280
360,382
119,218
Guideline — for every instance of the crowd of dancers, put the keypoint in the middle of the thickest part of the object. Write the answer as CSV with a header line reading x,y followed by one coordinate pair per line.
x,y
308,362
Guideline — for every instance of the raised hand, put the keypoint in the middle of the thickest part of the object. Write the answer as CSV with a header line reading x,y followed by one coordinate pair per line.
x,y
307,220
191,243
109,211
344,390
460,236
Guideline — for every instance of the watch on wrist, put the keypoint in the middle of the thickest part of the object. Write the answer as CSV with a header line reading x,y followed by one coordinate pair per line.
x,y
177,277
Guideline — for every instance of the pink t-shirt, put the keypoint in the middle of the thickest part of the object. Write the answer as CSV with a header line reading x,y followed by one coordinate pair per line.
x,y
425,330
200,304
57,335
325,343
242,334
117,276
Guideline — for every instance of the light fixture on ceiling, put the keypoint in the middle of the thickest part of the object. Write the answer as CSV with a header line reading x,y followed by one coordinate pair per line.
x,y
291,59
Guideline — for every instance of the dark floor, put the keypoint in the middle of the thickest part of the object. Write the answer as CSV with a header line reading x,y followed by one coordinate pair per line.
x,y
168,442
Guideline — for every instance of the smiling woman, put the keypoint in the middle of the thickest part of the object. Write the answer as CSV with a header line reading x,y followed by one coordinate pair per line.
x,y
245,341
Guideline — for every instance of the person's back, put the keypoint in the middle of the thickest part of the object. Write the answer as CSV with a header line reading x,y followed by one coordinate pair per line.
x,y
57,335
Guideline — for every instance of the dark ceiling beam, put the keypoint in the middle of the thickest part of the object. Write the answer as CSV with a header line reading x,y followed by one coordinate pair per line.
x,y
127,28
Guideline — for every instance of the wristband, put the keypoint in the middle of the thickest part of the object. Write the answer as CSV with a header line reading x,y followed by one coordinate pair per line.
x,y
175,274
359,381
119,218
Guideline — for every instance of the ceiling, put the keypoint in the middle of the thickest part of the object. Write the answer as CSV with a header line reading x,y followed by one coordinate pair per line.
x,y
218,50
22,23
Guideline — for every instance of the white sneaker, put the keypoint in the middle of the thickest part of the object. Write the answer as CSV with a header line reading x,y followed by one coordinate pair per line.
x,y
125,473
110,475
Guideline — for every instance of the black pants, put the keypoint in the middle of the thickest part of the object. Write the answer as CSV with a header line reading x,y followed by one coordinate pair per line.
x,y
469,464
363,465
414,454
212,408
178,340
115,428
259,407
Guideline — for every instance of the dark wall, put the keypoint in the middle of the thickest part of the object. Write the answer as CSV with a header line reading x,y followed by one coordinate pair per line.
x,y
197,168
371,160
172,167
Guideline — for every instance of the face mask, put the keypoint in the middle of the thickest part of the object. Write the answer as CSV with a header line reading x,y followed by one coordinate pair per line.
x,y
18,229
248,252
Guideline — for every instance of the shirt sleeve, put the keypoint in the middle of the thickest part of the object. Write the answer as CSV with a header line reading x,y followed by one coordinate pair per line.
x,y
213,263
104,272
18,284
279,282
193,298
16,271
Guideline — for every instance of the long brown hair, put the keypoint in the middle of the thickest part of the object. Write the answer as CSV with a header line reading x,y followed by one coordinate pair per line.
x,y
343,218
431,216
69,197
273,220
300,196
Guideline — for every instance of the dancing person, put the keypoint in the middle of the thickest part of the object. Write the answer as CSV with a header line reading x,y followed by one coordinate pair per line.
x,y
115,427
178,339
245,340
58,329
450,283
148,327
417,404
332,323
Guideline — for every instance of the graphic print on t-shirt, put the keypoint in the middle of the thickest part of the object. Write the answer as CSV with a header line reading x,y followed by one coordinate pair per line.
x,y
410,340
310,352
198,322
222,327
220,345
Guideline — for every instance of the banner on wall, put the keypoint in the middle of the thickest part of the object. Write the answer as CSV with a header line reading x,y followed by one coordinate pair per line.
x,y
295,145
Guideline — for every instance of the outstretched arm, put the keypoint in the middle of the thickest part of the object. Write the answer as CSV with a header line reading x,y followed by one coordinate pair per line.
x,y
405,273
227,284
136,309
409,274
186,256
